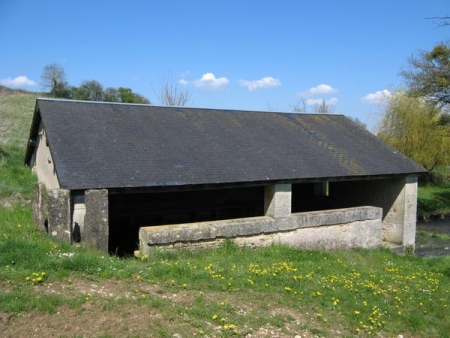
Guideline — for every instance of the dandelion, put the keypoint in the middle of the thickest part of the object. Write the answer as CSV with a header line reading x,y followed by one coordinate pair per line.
x,y
214,317
357,312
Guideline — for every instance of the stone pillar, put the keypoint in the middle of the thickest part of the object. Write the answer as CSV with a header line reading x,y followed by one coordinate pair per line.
x,y
277,200
59,214
399,225
40,207
409,224
96,220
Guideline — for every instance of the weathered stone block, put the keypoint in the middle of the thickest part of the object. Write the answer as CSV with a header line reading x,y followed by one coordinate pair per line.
x,y
342,228
96,219
40,207
59,214
277,200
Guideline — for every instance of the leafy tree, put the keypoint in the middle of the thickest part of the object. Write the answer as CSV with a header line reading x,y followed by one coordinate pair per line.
x,y
412,127
126,95
111,94
170,94
123,95
54,79
429,75
89,91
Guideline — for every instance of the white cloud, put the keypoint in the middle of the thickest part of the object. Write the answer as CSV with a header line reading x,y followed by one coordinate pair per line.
x,y
209,81
378,97
314,102
265,82
19,81
319,90
183,82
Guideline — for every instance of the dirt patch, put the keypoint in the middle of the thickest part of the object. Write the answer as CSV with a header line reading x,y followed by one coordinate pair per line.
x,y
91,321
132,308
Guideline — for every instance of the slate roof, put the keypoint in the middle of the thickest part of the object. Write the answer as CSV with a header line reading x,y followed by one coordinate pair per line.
x,y
110,145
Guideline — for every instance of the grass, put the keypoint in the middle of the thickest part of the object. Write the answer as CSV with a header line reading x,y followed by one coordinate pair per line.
x,y
232,291
434,199
16,112
226,292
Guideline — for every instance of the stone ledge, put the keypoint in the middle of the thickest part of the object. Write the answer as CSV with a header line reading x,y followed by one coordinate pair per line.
x,y
254,226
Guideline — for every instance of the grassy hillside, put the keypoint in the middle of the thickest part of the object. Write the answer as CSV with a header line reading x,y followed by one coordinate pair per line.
x,y
49,288
16,111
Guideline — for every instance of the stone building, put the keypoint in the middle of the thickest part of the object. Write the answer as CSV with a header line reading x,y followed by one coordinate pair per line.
x,y
112,176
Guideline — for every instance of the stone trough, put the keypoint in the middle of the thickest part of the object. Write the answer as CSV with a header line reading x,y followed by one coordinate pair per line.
x,y
359,227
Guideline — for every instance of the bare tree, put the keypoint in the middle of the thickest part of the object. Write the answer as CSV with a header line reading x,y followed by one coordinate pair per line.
x,y
300,107
444,23
170,94
323,108
320,108
54,79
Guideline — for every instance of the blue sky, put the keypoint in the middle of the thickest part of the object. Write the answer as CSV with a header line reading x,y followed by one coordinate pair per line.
x,y
247,54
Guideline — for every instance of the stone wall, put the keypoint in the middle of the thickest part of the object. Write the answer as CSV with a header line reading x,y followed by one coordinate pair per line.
x,y
342,228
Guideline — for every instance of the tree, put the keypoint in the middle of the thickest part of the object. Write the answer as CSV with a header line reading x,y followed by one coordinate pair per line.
x,y
89,91
54,79
172,95
412,126
445,22
111,94
318,108
323,108
429,75
126,95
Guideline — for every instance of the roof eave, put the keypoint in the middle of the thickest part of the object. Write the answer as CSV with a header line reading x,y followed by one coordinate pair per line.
x,y
34,130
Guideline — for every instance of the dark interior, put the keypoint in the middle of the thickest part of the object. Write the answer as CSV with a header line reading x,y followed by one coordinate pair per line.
x,y
129,212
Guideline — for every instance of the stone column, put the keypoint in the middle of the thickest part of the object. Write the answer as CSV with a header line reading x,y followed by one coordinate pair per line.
x,y
40,207
96,220
59,214
409,224
277,200
399,225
